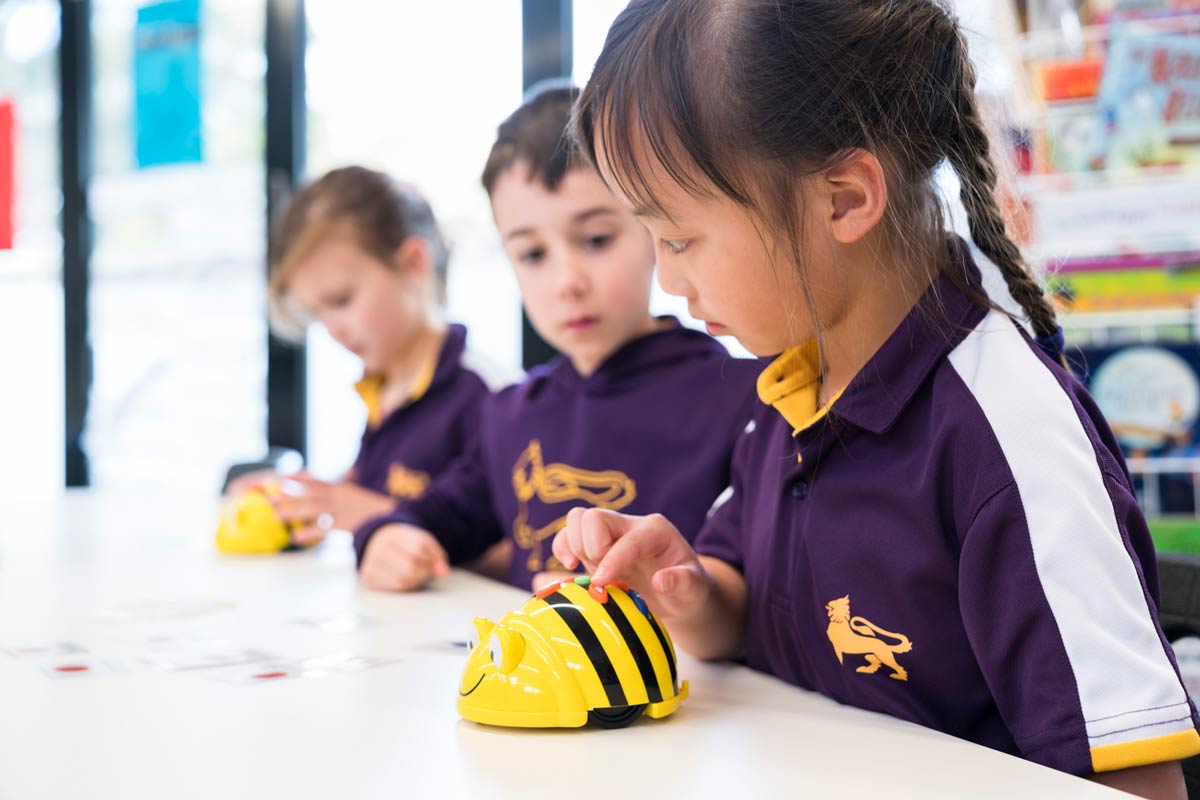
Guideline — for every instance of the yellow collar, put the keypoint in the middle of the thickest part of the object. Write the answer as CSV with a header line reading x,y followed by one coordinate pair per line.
x,y
370,389
790,385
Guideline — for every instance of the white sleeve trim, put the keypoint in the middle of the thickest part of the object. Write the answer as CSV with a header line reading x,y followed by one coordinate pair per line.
x,y
1128,688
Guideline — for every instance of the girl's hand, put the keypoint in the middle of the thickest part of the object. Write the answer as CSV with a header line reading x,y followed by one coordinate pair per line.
x,y
401,558
316,506
648,553
544,579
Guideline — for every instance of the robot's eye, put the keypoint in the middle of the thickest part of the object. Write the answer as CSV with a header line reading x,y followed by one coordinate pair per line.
x,y
506,648
472,638
496,650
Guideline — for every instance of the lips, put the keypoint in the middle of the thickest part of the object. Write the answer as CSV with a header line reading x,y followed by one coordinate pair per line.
x,y
581,324
713,328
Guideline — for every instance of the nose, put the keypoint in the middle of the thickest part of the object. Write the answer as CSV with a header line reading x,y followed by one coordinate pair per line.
x,y
572,279
672,280
336,326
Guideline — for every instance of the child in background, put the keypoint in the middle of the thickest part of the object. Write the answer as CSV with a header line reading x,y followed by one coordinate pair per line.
x,y
363,256
929,517
638,414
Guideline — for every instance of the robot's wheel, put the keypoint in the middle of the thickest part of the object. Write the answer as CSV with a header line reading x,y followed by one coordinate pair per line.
x,y
616,717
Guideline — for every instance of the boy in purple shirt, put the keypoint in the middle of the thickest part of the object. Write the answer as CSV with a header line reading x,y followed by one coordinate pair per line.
x,y
639,414
363,256
928,515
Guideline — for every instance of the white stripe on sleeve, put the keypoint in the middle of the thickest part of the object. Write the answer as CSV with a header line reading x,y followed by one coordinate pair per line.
x,y
1127,686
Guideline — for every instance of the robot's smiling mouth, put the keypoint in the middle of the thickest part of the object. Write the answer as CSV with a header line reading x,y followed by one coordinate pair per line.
x,y
473,688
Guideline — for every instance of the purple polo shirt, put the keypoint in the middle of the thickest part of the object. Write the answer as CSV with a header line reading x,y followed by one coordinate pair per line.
x,y
955,543
652,429
402,453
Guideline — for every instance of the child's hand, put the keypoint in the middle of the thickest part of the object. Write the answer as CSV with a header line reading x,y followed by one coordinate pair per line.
x,y
401,558
544,579
251,480
495,561
318,506
648,553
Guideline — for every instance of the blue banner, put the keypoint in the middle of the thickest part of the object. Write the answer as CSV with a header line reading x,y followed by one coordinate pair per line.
x,y
167,83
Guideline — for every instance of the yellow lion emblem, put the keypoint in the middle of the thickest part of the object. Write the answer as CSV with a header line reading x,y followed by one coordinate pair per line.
x,y
406,484
559,483
855,635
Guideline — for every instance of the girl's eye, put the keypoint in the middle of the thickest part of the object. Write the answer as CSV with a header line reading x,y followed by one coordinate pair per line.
x,y
598,242
338,301
531,257
676,246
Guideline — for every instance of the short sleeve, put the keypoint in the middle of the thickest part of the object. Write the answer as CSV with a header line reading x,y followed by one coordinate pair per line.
x,y
721,534
1056,607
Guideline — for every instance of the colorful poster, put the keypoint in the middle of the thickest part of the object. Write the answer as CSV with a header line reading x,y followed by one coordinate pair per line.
x,y
1150,395
1104,11
167,83
8,132
1150,99
1075,137
1129,286
1101,222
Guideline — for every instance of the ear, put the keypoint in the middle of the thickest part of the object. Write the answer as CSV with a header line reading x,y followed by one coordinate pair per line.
x,y
483,627
857,192
414,257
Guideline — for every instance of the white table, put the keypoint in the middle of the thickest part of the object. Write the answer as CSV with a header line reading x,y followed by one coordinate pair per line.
x,y
391,731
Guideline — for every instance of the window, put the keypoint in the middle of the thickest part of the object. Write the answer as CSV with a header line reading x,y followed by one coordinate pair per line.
x,y
178,288
410,89
31,322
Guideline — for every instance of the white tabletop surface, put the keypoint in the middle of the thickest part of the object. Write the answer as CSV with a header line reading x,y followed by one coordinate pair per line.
x,y
108,572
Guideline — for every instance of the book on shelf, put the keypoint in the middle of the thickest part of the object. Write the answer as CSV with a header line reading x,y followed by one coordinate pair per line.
x,y
1149,100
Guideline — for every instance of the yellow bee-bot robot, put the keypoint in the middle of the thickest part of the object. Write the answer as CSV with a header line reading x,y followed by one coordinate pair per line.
x,y
573,654
249,524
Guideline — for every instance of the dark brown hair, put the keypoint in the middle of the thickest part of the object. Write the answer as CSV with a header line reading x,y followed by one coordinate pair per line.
x,y
749,97
378,213
538,134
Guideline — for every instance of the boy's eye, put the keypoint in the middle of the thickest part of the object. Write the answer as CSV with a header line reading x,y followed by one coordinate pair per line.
x,y
338,300
533,256
675,246
598,242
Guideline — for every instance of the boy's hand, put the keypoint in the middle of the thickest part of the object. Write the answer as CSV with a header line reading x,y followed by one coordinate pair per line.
x,y
648,553
401,558
317,506
495,561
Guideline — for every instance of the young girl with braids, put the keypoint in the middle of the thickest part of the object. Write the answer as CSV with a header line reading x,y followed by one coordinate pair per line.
x,y
928,515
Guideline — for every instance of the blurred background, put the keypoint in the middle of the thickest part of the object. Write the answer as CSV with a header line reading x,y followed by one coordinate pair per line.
x,y
144,147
